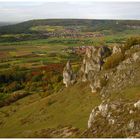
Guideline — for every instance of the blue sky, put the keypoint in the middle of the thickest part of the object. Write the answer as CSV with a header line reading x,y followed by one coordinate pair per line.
x,y
16,11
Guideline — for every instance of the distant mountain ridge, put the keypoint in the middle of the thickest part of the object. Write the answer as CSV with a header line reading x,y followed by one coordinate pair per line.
x,y
6,23
94,24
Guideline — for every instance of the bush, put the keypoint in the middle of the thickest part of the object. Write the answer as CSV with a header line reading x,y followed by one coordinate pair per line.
x,y
33,86
8,99
37,78
12,87
131,41
113,60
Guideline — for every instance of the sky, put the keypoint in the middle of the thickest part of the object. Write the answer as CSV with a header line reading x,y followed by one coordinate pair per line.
x,y
23,10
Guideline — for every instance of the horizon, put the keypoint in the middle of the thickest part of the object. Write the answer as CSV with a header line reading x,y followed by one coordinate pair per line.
x,y
31,10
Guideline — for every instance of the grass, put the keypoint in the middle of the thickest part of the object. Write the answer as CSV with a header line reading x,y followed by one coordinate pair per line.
x,y
127,94
47,28
69,107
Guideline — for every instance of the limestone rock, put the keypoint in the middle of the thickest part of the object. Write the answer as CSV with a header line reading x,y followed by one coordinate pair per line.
x,y
136,56
92,116
103,108
137,104
92,65
68,75
116,49
114,114
131,125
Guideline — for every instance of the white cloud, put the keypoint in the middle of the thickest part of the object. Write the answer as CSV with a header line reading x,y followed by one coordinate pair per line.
x,y
20,11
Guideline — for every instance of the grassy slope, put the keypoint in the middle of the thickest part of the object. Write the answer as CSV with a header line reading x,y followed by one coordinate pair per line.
x,y
72,106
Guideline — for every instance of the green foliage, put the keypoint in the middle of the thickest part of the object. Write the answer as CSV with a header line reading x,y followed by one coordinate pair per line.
x,y
131,41
113,60
7,99
37,78
46,28
3,96
12,87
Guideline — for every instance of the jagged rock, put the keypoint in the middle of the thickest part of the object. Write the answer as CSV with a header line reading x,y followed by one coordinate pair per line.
x,y
136,56
124,75
68,75
116,49
137,104
131,125
98,81
111,121
114,116
104,52
92,64
95,85
136,46
92,116
102,109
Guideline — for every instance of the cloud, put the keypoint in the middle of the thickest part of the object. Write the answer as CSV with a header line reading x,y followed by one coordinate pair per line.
x,y
21,11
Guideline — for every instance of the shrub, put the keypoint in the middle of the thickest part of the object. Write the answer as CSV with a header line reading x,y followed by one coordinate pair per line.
x,y
113,60
44,94
10,98
37,78
131,41
12,87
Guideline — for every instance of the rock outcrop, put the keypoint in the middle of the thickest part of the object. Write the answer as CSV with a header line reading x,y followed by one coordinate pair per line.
x,y
68,75
120,116
114,116
92,65
116,49
137,104
124,74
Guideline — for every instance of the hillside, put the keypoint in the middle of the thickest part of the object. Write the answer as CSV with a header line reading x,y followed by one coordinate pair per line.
x,y
69,31
70,78
68,107
72,111
93,25
6,23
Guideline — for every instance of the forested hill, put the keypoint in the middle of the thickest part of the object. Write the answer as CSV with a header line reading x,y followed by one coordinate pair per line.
x,y
93,25
6,23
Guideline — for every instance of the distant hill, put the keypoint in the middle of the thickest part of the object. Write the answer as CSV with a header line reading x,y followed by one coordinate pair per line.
x,y
93,25
6,23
